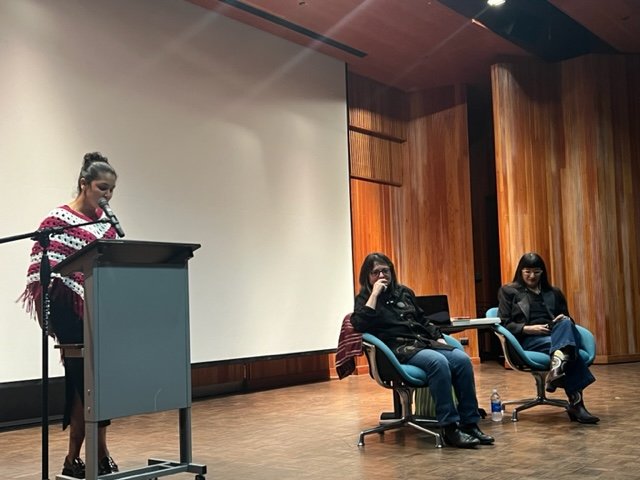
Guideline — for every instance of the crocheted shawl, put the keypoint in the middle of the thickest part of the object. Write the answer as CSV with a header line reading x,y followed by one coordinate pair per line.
x,y
71,288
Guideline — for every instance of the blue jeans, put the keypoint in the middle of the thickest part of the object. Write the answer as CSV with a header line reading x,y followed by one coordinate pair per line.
x,y
447,368
563,334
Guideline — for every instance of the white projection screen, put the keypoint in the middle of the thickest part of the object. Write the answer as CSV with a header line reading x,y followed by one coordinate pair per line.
x,y
221,135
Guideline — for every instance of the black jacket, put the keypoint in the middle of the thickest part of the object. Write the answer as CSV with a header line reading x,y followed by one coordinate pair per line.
x,y
514,306
398,322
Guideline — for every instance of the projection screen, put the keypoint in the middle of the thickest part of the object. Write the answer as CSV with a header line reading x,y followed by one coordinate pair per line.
x,y
221,135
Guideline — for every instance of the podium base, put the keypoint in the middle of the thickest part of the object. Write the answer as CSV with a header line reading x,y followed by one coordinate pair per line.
x,y
156,468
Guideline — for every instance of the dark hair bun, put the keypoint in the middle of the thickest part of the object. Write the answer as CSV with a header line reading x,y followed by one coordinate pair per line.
x,y
93,157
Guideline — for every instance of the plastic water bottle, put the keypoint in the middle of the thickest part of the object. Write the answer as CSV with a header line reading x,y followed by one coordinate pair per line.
x,y
496,406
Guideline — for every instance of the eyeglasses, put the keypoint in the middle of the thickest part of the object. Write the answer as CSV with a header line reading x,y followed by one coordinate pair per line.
x,y
528,272
384,271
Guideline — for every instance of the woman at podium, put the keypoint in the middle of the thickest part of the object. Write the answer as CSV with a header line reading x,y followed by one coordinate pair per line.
x,y
97,180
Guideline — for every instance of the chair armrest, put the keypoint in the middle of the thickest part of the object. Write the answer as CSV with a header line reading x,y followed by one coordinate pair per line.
x,y
525,358
492,312
588,344
454,342
382,347
386,368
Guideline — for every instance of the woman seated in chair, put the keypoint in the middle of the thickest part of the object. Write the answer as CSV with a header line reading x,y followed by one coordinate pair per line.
x,y
387,309
536,313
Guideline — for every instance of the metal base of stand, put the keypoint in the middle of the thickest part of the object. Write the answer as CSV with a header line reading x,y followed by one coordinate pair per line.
x,y
156,468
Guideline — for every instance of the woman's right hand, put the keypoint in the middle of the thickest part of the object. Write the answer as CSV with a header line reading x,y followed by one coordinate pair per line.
x,y
376,289
536,330
379,287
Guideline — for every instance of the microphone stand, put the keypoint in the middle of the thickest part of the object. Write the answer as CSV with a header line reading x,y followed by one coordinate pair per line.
x,y
43,237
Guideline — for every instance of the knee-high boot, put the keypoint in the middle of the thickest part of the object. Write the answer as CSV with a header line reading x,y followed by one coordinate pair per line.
x,y
577,411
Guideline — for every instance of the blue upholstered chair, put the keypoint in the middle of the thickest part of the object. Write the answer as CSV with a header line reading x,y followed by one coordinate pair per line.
x,y
537,364
403,379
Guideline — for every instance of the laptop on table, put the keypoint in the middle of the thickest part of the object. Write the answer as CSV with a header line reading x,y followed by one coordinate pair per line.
x,y
436,309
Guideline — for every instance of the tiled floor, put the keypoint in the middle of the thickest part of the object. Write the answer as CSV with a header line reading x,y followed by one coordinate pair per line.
x,y
311,431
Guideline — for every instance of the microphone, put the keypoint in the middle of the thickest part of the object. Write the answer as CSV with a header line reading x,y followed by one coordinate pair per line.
x,y
104,205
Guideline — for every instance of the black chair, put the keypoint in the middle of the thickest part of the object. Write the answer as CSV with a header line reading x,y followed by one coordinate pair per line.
x,y
403,379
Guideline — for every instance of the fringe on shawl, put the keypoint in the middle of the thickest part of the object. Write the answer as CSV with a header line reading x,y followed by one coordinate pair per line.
x,y
58,292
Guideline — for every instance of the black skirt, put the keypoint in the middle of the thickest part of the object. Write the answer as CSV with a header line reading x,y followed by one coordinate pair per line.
x,y
68,328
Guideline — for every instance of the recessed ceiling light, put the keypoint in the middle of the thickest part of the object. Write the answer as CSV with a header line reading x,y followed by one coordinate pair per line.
x,y
495,3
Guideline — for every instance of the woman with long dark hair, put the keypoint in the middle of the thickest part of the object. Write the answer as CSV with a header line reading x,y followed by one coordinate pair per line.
x,y
388,310
536,313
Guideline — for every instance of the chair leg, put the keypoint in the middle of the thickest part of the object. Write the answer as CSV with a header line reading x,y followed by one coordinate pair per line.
x,y
540,399
438,438
381,429
408,419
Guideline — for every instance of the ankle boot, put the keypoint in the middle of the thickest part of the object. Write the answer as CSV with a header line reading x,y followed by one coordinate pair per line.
x,y
555,377
107,465
577,411
73,468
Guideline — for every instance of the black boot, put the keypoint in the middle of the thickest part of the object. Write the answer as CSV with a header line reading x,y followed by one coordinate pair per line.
x,y
555,377
455,437
577,411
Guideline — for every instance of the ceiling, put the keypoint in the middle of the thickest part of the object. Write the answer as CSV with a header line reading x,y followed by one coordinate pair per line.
x,y
418,44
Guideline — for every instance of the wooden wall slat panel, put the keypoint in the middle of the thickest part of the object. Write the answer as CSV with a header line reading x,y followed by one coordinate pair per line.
x,y
596,111
567,160
376,108
375,158
372,212
521,102
436,225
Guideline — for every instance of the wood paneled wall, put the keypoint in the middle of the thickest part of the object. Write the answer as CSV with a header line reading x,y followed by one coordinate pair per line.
x,y
567,165
258,374
424,225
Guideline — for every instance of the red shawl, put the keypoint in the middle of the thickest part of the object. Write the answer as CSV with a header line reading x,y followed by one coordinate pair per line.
x,y
62,245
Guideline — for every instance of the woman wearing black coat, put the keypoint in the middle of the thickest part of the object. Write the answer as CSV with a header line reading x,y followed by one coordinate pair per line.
x,y
536,313
388,310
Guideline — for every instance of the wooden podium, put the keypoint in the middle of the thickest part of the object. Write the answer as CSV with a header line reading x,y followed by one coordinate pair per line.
x,y
136,342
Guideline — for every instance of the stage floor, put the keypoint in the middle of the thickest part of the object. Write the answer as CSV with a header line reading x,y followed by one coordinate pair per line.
x,y
311,432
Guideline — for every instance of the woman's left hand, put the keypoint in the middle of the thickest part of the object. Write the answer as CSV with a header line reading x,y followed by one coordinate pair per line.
x,y
558,318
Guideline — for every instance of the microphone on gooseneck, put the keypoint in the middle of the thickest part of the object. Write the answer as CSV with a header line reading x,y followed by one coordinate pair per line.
x,y
104,205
